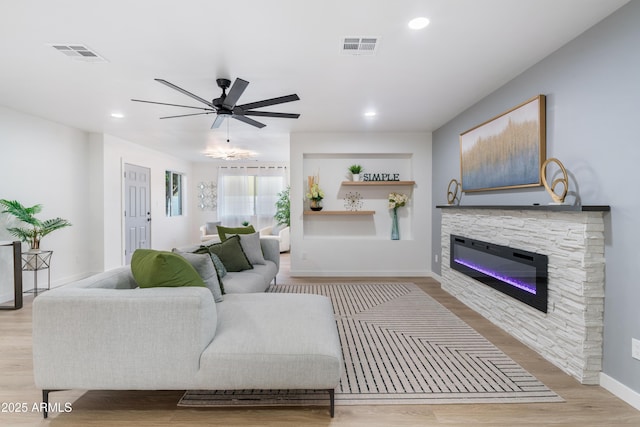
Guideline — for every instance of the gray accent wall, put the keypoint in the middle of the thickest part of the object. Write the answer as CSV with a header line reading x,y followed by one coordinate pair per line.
x,y
592,86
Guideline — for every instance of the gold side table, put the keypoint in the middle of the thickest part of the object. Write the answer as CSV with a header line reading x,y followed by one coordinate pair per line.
x,y
36,261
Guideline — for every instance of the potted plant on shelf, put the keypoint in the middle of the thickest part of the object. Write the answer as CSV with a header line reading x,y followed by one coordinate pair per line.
x,y
283,208
355,172
315,195
37,229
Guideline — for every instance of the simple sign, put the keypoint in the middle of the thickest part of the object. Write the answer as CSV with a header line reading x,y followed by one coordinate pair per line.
x,y
381,177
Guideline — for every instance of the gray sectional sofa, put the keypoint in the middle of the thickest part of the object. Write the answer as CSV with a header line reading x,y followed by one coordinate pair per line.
x,y
105,333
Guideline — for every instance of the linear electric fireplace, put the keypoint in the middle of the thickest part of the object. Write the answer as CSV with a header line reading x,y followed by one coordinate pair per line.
x,y
515,272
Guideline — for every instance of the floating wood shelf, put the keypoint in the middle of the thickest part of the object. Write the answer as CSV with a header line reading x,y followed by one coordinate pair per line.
x,y
375,183
323,212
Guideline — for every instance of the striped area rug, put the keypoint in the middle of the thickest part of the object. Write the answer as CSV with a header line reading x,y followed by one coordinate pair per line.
x,y
400,346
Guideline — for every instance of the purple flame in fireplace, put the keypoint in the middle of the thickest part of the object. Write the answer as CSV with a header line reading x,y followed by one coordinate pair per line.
x,y
496,275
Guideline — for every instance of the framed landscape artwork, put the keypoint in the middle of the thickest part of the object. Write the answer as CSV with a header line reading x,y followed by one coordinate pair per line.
x,y
506,151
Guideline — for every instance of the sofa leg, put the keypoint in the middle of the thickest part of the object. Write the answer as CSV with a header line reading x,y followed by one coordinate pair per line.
x,y
332,402
45,401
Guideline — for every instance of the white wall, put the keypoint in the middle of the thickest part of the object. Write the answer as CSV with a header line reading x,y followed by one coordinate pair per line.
x,y
202,172
166,232
42,162
79,177
360,245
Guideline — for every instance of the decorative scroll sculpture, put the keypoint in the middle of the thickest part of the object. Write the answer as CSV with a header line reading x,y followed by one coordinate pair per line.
x,y
453,198
557,198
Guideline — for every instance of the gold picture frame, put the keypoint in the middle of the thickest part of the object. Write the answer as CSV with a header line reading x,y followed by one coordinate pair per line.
x,y
506,151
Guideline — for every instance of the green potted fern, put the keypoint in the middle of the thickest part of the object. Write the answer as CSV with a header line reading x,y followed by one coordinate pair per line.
x,y
35,229
283,208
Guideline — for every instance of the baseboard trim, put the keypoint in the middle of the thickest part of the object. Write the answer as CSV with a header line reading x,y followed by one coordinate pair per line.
x,y
620,390
6,297
368,273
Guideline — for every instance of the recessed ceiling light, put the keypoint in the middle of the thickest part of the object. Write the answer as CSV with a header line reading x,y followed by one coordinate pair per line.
x,y
418,23
117,115
370,114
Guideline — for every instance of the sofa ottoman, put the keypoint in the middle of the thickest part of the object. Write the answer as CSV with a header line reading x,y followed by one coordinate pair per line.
x,y
273,341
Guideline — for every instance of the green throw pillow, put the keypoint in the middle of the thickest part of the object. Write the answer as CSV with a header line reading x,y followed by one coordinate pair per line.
x,y
152,268
231,254
223,231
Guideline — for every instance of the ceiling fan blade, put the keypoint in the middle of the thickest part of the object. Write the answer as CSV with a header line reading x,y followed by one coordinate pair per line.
x,y
272,101
218,121
271,114
235,93
179,89
172,105
186,115
249,121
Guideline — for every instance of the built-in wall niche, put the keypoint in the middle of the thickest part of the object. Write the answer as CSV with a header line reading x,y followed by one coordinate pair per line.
x,y
335,180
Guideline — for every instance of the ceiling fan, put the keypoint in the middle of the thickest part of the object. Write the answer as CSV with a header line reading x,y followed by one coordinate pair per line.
x,y
225,106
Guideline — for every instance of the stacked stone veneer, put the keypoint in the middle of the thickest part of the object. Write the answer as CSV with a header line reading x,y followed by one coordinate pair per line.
x,y
569,335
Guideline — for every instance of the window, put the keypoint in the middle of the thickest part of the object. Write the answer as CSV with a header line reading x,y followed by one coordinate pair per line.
x,y
249,194
174,184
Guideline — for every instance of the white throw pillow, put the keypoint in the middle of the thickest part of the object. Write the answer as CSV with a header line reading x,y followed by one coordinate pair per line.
x,y
251,246
205,268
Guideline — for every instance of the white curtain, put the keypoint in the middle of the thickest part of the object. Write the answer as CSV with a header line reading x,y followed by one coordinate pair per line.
x,y
249,193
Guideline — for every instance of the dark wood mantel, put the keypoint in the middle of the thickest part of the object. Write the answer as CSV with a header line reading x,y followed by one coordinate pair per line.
x,y
550,208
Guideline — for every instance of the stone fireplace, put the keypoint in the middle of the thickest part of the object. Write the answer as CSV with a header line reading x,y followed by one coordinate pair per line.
x,y
569,333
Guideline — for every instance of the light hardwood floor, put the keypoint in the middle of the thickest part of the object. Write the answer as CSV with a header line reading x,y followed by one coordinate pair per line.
x,y
584,406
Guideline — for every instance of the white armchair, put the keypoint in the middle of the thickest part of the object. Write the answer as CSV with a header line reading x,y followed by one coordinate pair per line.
x,y
209,231
282,235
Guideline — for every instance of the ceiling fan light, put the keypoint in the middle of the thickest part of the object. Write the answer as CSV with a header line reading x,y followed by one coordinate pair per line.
x,y
418,23
231,154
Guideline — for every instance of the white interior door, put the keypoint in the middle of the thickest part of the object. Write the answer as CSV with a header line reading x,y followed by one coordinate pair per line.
x,y
137,210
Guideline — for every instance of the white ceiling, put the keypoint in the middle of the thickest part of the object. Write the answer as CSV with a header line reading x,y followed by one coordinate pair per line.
x,y
417,81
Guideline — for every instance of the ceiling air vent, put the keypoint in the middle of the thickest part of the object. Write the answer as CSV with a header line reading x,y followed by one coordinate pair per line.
x,y
78,52
360,45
